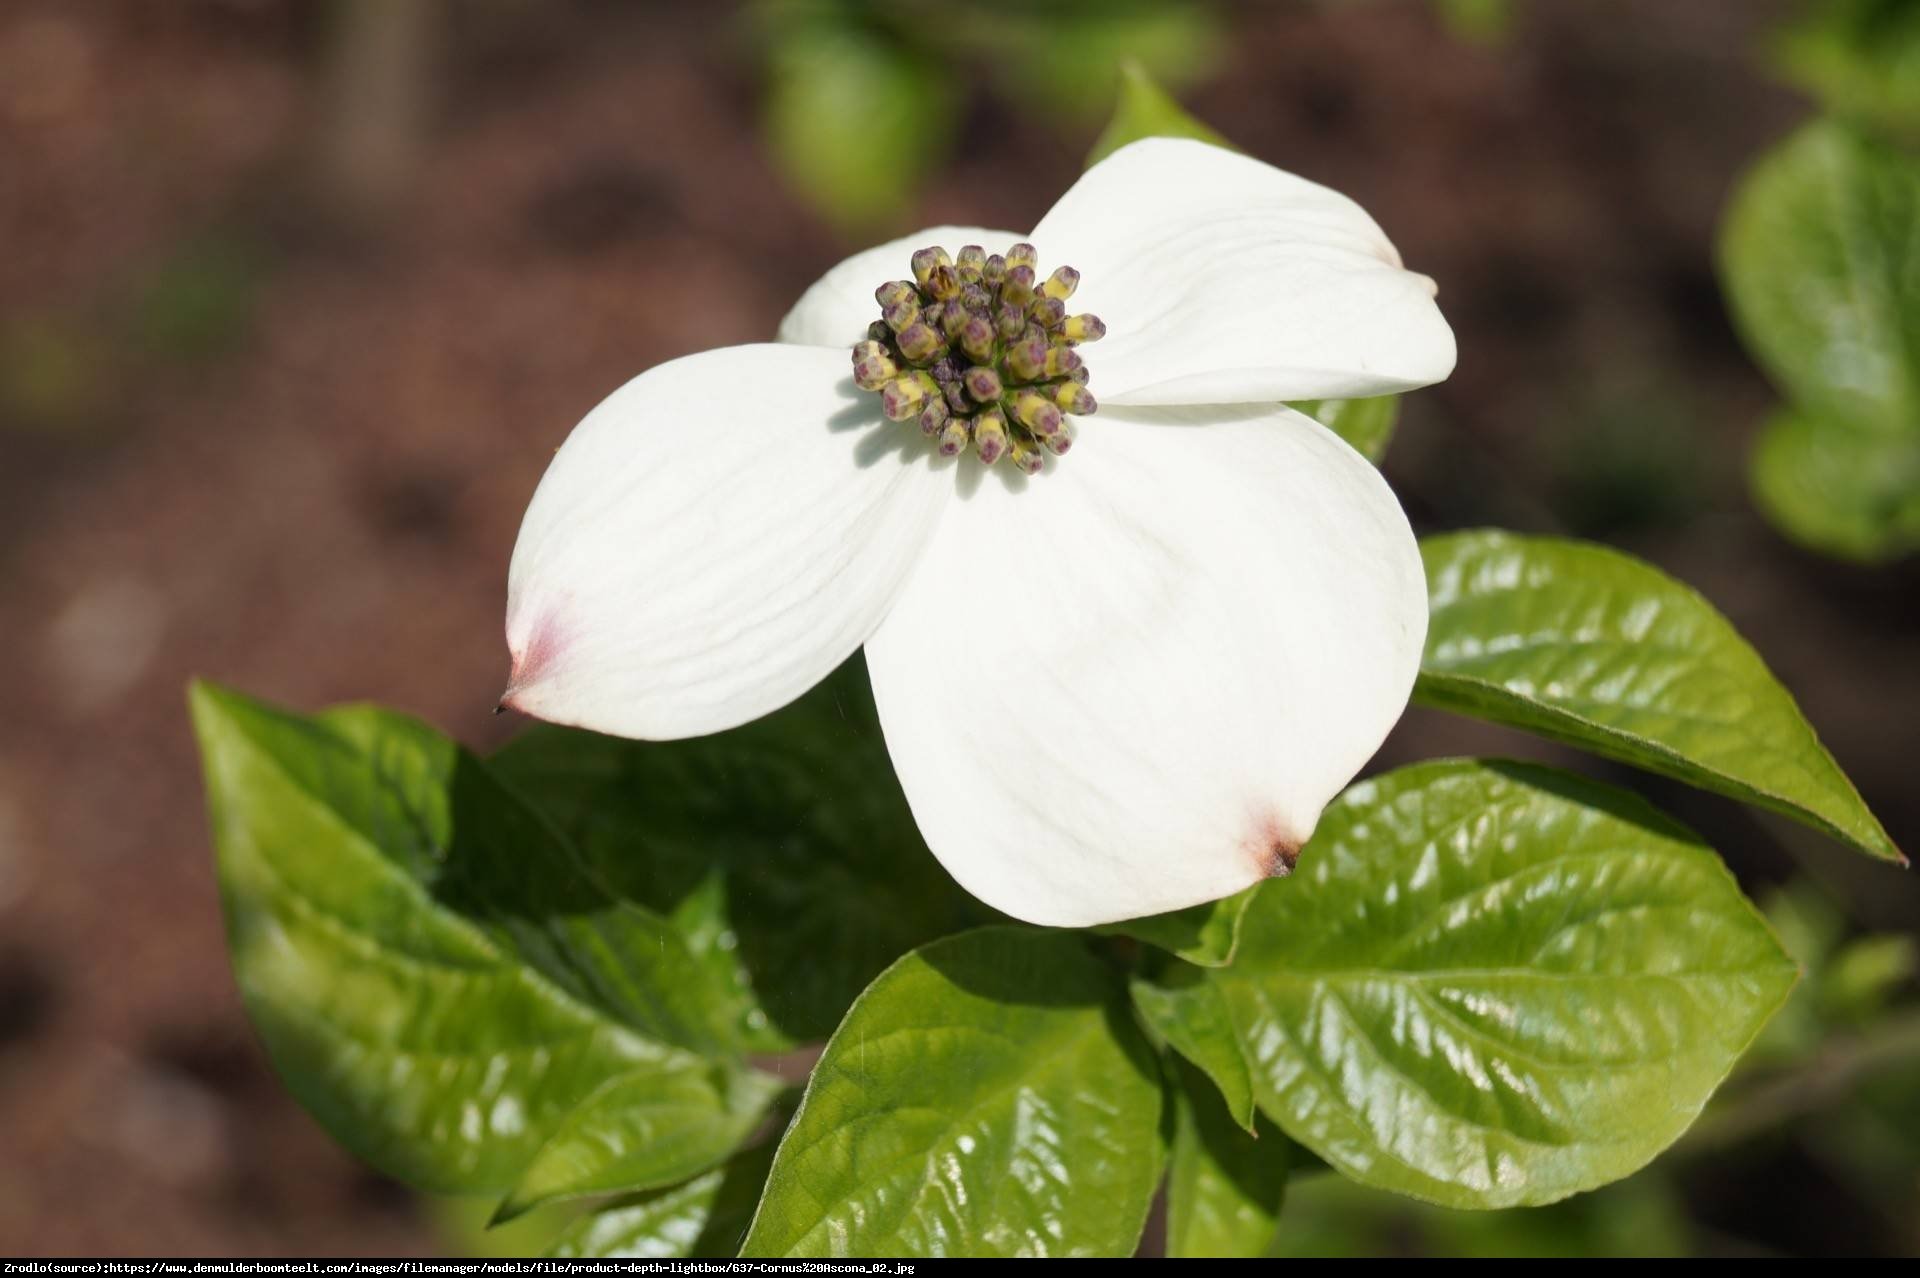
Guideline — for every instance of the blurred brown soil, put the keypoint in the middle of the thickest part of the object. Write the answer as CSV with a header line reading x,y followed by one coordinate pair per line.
x,y
318,505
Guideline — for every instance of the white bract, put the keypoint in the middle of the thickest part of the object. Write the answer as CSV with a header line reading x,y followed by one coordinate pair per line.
x,y
1125,685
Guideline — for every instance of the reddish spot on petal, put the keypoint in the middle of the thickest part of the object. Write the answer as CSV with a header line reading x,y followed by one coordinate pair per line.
x,y
1273,847
533,660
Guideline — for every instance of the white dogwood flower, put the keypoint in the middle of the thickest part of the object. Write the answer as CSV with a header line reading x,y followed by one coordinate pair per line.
x,y
1124,683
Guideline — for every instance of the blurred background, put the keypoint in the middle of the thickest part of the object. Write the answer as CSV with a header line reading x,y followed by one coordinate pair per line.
x,y
296,300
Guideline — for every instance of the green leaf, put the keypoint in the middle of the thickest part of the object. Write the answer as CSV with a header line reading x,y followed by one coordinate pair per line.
x,y
784,850
1367,424
1821,258
705,1217
1206,934
1224,1186
1492,985
987,1096
433,975
1191,1014
1588,646
1145,110
854,120
651,1127
1854,494
1861,58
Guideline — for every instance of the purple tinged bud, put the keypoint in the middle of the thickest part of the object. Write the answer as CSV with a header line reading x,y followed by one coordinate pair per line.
x,y
953,316
919,343
933,417
1061,283
1084,328
945,370
1027,358
874,372
943,282
1048,312
878,331
1058,443
901,313
976,339
902,398
983,384
954,438
1075,398
1080,374
1037,413
1023,254
1061,362
1010,322
925,260
990,435
994,271
956,396
869,347
894,291
969,261
975,297
1018,287
1026,459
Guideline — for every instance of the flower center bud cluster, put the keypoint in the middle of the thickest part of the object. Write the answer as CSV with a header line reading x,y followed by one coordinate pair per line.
x,y
982,353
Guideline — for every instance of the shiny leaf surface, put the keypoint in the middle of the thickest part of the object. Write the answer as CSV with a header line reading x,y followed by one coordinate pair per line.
x,y
705,1217
644,1129
1224,1185
1490,985
1594,648
439,1008
1206,934
783,851
988,1095
1191,1014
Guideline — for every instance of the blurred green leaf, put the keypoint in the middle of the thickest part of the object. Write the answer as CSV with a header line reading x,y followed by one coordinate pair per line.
x,y
1864,974
1059,58
1367,424
1205,934
705,1217
987,1096
1594,648
855,120
1491,985
1224,1186
1145,110
1853,494
200,300
784,850
435,976
1861,58
1821,258
1820,254
1477,21
650,1127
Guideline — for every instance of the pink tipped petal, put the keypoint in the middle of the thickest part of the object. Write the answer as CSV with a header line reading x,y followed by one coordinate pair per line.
x,y
710,541
1224,280
838,307
1226,621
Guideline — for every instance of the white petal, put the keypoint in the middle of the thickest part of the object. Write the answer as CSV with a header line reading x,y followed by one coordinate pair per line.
x,y
1225,280
711,540
1133,686
836,310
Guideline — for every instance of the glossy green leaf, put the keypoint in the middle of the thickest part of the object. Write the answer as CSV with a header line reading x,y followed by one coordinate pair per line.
x,y
1854,494
1861,58
1191,1015
854,120
1145,110
1490,985
988,1095
784,850
435,1002
1367,424
647,1128
705,1217
1206,934
1224,1185
1821,259
1588,646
